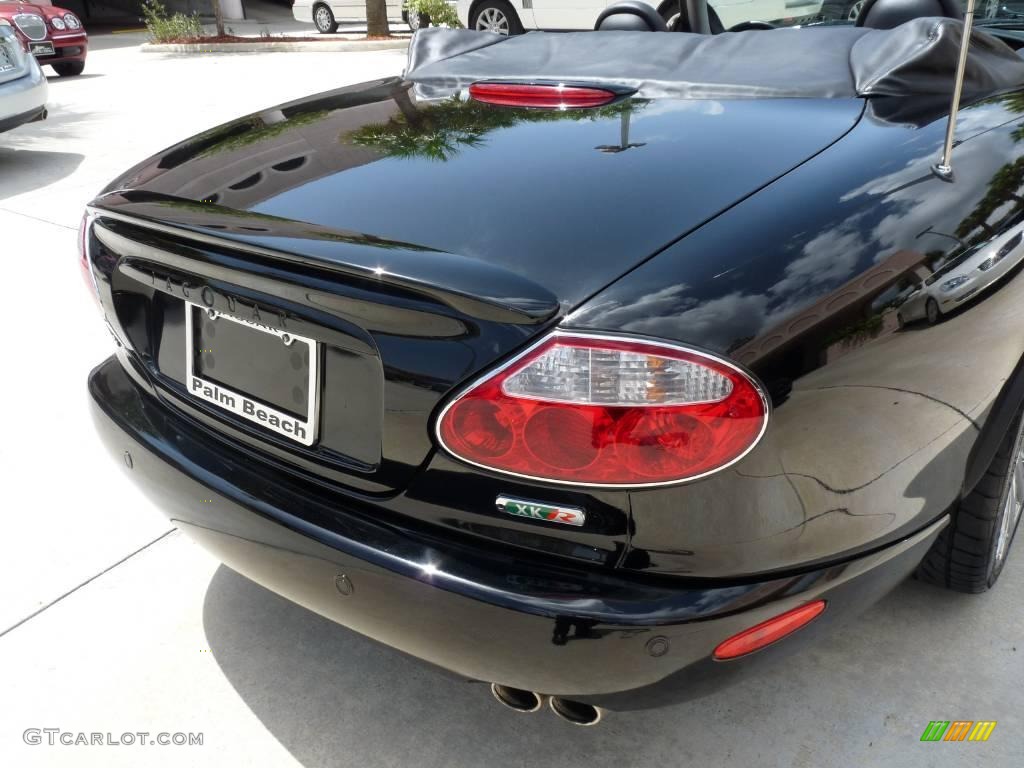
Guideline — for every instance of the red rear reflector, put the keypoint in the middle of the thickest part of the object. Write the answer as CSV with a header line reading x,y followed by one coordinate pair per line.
x,y
768,632
546,96
607,411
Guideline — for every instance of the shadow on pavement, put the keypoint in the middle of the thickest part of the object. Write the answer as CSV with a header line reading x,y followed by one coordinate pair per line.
x,y
55,78
24,170
333,697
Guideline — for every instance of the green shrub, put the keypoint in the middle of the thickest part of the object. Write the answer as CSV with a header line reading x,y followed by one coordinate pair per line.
x,y
441,13
165,28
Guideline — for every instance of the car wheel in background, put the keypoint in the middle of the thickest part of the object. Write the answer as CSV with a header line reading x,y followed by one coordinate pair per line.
x,y
496,16
853,11
970,552
931,309
69,68
417,20
323,19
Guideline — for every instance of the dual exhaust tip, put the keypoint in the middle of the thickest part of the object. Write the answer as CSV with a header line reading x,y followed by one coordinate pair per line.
x,y
575,712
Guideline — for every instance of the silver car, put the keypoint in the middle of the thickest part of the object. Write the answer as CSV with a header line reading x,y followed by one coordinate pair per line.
x,y
23,88
963,278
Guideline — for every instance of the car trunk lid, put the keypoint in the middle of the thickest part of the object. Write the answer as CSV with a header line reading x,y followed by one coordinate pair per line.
x,y
419,243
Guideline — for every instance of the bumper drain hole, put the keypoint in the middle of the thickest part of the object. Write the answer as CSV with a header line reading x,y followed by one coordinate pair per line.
x,y
576,712
516,698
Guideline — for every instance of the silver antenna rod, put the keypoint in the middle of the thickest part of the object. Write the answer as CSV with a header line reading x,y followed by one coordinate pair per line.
x,y
944,168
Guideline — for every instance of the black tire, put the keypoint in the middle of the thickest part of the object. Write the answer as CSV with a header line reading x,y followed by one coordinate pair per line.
x,y
416,20
932,312
323,19
970,552
69,68
490,10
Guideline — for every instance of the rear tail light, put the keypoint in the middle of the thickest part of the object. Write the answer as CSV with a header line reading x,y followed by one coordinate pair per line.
x,y
768,632
550,96
606,411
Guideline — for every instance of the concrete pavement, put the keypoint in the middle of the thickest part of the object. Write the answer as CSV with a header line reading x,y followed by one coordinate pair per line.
x,y
112,622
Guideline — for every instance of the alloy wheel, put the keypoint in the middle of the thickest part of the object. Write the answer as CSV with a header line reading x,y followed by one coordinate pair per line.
x,y
323,18
1009,515
854,10
492,20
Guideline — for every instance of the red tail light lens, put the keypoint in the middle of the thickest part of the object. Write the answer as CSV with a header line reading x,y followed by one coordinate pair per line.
x,y
550,96
768,632
606,411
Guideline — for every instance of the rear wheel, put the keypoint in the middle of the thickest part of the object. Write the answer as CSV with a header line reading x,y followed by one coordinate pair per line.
x,y
69,68
970,552
496,16
323,19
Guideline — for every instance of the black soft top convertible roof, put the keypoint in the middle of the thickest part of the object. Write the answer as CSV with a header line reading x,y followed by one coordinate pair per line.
x,y
916,58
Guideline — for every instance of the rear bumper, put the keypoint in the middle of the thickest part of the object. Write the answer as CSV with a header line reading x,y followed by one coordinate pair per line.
x,y
23,100
494,615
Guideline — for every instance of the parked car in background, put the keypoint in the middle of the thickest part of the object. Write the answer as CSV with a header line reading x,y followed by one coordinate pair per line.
x,y
511,17
326,16
22,84
963,278
54,35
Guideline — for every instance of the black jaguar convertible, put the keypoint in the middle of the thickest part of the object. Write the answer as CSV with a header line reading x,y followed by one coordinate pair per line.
x,y
574,363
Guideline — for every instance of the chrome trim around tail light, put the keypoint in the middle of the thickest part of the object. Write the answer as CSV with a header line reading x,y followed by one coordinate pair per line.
x,y
452,399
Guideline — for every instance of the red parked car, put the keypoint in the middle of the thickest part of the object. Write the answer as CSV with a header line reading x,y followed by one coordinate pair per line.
x,y
54,35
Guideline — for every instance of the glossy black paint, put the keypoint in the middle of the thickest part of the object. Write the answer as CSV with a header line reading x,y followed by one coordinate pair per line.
x,y
378,164
873,427
424,243
301,212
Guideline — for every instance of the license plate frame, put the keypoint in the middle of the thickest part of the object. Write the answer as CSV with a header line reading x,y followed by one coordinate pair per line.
x,y
42,49
297,429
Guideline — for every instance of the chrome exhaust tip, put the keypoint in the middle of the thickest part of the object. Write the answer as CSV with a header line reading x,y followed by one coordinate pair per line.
x,y
575,712
517,698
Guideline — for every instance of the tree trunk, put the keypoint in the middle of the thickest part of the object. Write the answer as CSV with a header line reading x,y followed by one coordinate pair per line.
x,y
377,18
218,16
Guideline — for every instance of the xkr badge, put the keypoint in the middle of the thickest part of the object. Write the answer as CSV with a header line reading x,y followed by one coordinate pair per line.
x,y
541,511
